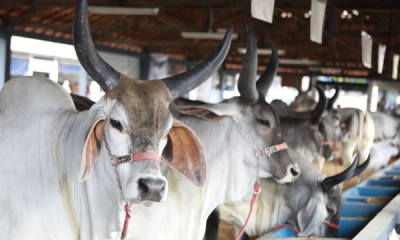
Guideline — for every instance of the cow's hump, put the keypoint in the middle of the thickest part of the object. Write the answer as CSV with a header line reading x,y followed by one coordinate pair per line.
x,y
34,94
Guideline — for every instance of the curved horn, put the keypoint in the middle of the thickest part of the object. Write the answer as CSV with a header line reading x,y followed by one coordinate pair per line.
x,y
100,71
265,81
186,81
246,83
334,98
321,106
296,85
330,182
360,168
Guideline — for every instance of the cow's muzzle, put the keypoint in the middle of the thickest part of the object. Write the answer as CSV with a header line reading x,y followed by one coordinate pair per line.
x,y
151,189
292,172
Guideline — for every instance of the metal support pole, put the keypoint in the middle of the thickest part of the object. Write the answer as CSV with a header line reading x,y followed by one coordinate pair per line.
x,y
144,67
389,40
313,79
83,77
369,95
5,57
222,80
331,18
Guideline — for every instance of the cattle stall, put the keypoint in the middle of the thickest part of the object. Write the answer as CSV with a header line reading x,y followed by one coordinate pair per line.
x,y
371,209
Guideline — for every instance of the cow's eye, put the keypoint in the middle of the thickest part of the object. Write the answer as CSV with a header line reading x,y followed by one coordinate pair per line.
x,y
264,122
116,124
330,211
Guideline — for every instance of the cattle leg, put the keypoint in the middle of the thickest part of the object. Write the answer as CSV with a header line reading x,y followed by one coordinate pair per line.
x,y
212,226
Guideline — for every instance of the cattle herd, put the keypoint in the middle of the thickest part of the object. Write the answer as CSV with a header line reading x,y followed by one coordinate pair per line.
x,y
75,169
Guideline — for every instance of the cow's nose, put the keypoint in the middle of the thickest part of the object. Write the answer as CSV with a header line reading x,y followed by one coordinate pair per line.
x,y
294,171
151,189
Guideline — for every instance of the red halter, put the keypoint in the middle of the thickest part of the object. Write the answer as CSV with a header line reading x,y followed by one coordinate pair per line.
x,y
275,148
332,225
134,157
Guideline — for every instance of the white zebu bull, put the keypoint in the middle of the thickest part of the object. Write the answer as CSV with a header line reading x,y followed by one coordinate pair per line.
x,y
381,152
310,133
49,148
348,138
357,122
306,134
312,205
387,139
302,102
232,164
386,127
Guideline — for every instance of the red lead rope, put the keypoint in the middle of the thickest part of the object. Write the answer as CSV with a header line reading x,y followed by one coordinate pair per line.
x,y
332,225
126,223
257,186
256,191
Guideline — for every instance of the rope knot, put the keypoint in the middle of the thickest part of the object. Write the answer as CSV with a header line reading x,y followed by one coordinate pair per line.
x,y
128,210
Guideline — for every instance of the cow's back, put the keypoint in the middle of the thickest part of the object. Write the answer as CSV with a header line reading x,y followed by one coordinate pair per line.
x,y
30,182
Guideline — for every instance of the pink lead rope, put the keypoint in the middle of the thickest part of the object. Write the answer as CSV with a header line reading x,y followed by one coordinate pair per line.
x,y
257,185
126,223
256,191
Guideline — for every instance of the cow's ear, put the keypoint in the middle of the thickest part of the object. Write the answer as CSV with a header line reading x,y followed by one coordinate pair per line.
x,y
91,150
212,112
313,214
184,153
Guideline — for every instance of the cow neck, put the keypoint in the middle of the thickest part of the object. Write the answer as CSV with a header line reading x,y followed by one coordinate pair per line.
x,y
301,143
97,201
232,184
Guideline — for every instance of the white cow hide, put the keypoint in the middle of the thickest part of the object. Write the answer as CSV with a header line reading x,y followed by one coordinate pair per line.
x,y
42,138
381,152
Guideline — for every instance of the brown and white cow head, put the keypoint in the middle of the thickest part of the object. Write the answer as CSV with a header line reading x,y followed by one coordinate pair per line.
x,y
134,117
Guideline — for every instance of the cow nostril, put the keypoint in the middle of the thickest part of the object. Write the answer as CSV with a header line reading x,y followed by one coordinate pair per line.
x,y
143,186
294,171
